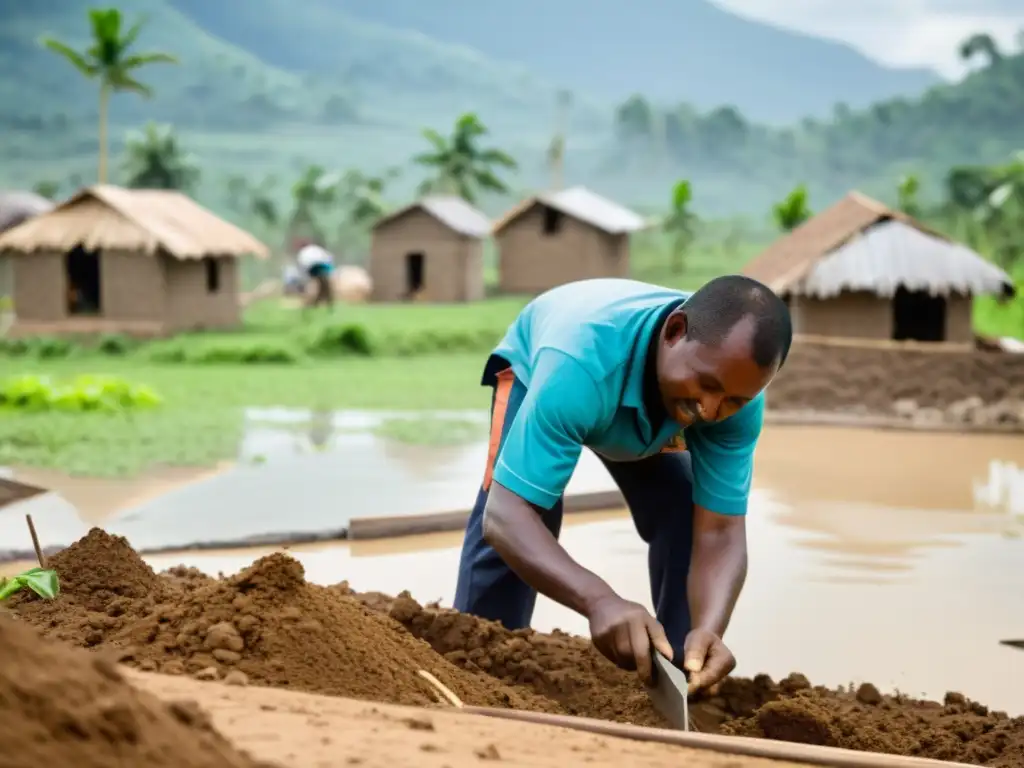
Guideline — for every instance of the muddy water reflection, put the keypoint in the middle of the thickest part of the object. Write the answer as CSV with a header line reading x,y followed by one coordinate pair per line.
x,y
891,557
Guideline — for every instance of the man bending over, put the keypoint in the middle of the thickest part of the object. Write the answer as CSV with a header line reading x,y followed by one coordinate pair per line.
x,y
666,388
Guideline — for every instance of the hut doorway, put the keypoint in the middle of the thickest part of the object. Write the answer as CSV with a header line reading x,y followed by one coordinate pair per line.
x,y
918,316
413,274
82,272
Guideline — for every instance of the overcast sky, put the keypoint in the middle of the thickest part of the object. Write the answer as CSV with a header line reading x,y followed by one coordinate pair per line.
x,y
898,32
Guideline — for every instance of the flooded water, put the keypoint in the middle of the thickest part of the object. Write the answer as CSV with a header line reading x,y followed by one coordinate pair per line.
x,y
893,557
337,465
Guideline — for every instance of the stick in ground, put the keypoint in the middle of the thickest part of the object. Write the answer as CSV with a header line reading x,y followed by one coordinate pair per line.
x,y
35,541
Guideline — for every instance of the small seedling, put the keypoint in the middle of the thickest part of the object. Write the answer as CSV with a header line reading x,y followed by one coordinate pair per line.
x,y
40,580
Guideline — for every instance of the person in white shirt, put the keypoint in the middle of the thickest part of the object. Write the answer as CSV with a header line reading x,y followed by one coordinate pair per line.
x,y
318,263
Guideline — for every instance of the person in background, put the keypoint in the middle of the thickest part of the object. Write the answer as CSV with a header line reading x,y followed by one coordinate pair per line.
x,y
318,264
666,388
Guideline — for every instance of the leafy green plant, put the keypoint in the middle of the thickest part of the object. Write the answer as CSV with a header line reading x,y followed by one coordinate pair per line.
x,y
793,210
42,581
83,393
342,339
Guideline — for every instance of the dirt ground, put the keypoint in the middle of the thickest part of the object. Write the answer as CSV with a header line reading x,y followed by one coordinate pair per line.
x,y
267,626
297,730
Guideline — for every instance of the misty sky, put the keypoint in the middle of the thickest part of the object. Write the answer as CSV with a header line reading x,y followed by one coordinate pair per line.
x,y
897,32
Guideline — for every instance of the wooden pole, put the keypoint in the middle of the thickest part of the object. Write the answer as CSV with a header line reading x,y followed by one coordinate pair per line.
x,y
826,757
35,541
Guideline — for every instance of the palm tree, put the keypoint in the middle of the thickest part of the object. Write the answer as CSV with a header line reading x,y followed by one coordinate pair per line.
x,y
459,165
793,210
907,191
109,61
256,200
154,159
314,190
983,45
363,196
681,224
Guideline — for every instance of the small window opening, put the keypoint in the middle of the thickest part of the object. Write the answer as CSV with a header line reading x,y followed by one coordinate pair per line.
x,y
552,221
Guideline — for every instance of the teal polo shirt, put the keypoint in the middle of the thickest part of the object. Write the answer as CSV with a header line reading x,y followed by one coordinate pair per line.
x,y
580,351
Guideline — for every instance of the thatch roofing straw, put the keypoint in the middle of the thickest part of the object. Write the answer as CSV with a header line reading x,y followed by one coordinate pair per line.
x,y
16,207
105,217
861,245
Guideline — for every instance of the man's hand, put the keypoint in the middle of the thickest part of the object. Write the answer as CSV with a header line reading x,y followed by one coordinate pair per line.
x,y
624,632
706,658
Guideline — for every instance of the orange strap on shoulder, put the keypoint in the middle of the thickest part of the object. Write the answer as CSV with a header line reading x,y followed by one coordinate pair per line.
x,y
502,390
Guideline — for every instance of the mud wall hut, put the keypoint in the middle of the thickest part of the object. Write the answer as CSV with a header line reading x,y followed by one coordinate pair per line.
x,y
860,270
558,237
431,250
16,207
142,262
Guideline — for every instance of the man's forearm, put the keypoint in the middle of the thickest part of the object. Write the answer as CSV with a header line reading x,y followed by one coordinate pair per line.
x,y
517,533
718,568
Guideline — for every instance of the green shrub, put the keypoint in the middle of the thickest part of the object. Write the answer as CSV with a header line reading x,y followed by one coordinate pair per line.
x,y
166,352
83,393
116,344
14,347
225,352
342,339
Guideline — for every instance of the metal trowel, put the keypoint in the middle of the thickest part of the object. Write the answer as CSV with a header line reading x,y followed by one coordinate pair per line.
x,y
669,691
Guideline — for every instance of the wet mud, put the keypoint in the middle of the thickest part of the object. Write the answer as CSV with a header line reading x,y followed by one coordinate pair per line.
x,y
268,626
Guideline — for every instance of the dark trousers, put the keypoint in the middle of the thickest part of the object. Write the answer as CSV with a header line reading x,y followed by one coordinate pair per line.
x,y
658,491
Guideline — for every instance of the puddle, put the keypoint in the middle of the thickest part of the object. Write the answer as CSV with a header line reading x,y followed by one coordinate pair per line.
x,y
882,556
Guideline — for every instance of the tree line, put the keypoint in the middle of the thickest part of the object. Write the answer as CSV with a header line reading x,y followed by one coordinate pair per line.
x,y
981,204
973,120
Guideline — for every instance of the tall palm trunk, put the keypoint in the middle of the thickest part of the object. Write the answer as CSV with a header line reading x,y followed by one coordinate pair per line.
x,y
104,149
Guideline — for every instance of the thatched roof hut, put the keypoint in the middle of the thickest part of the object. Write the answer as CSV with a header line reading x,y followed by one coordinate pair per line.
x,y
861,269
145,221
138,261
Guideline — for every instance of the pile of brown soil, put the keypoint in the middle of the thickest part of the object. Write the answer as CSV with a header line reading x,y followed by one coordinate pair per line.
x,y
958,730
560,667
568,670
268,625
63,706
105,586
281,631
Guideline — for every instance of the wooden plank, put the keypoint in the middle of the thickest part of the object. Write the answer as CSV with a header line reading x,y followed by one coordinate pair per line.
x,y
365,528
11,491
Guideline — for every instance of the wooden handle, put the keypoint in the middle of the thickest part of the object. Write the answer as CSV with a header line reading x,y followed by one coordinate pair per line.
x,y
828,757
442,689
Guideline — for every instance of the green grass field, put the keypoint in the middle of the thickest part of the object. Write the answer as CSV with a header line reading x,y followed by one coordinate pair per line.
x,y
202,417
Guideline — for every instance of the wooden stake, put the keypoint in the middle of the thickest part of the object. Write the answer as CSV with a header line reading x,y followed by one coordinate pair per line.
x,y
441,688
35,541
